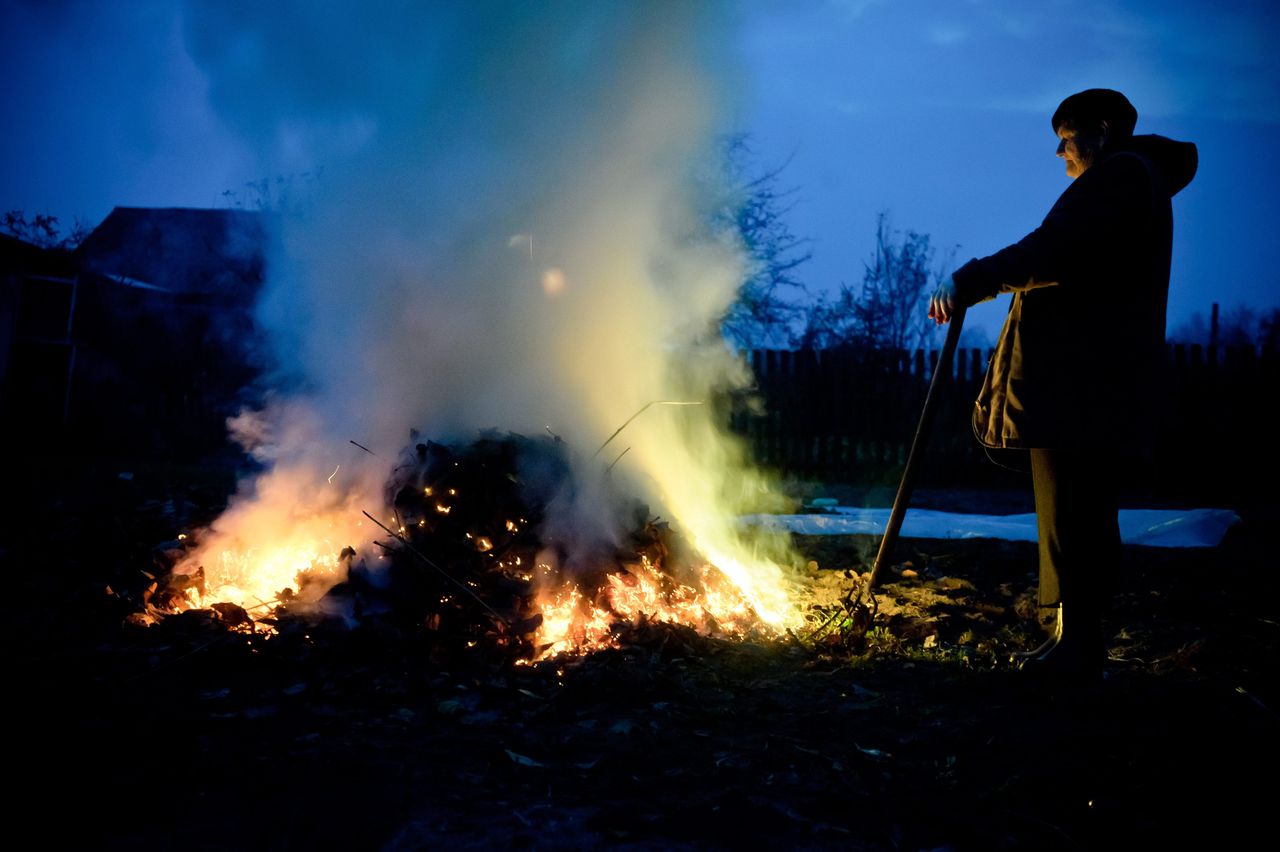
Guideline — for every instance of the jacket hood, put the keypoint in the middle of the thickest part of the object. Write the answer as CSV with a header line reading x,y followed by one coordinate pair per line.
x,y
1177,161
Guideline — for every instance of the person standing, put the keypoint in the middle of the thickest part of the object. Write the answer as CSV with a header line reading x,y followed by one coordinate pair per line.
x,y
1075,376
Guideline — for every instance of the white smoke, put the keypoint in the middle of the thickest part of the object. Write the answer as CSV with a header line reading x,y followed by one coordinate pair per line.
x,y
511,230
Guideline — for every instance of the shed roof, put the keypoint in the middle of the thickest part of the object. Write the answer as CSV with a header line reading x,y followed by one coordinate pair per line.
x,y
184,250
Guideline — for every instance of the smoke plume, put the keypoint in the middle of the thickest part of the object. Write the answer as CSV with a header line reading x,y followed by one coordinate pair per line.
x,y
512,229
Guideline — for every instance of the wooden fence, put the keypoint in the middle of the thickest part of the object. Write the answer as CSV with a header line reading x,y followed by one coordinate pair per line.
x,y
849,416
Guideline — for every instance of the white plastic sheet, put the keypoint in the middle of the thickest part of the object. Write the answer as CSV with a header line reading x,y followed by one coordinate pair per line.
x,y
1149,527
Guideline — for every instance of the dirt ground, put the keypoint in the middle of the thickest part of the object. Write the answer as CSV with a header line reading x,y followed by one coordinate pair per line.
x,y
189,736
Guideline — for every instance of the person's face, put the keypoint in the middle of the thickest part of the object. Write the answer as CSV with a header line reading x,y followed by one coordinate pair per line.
x,y
1079,148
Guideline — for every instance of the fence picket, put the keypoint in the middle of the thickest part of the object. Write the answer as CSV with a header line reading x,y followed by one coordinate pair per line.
x,y
845,415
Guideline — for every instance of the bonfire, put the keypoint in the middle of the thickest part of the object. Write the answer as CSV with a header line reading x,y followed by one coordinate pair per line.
x,y
471,552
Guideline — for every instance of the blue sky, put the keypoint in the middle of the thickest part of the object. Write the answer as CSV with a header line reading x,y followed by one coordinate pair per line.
x,y
939,113
934,111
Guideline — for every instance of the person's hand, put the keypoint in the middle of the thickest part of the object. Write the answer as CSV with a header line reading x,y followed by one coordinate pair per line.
x,y
942,304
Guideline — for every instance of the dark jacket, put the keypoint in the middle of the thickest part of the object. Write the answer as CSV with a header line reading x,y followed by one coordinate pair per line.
x,y
1079,360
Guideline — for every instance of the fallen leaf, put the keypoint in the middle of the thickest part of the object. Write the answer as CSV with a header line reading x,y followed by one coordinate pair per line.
x,y
521,759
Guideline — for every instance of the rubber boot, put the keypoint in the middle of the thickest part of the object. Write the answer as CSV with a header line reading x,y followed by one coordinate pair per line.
x,y
1054,637
1075,653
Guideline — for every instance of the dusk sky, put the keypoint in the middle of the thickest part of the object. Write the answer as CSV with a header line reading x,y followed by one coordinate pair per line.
x,y
937,112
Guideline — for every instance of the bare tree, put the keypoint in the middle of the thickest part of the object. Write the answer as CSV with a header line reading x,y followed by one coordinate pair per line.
x,y
830,322
1240,325
43,230
1269,330
1194,329
285,192
765,309
888,310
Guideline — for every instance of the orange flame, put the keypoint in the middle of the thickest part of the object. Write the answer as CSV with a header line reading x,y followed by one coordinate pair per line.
x,y
572,624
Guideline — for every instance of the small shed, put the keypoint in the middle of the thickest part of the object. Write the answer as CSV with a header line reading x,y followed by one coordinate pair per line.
x,y
142,339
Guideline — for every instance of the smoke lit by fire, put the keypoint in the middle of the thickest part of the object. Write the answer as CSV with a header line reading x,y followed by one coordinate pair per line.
x,y
513,230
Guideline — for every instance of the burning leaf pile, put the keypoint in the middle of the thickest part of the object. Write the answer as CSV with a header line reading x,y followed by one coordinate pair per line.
x,y
475,554
474,533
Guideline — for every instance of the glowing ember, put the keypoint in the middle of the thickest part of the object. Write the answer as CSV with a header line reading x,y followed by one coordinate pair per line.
x,y
571,624
288,538
256,577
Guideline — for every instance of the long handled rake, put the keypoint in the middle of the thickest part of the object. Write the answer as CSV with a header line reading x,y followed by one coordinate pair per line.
x,y
860,602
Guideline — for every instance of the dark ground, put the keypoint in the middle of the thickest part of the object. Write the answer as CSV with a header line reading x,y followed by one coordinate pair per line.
x,y
185,736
